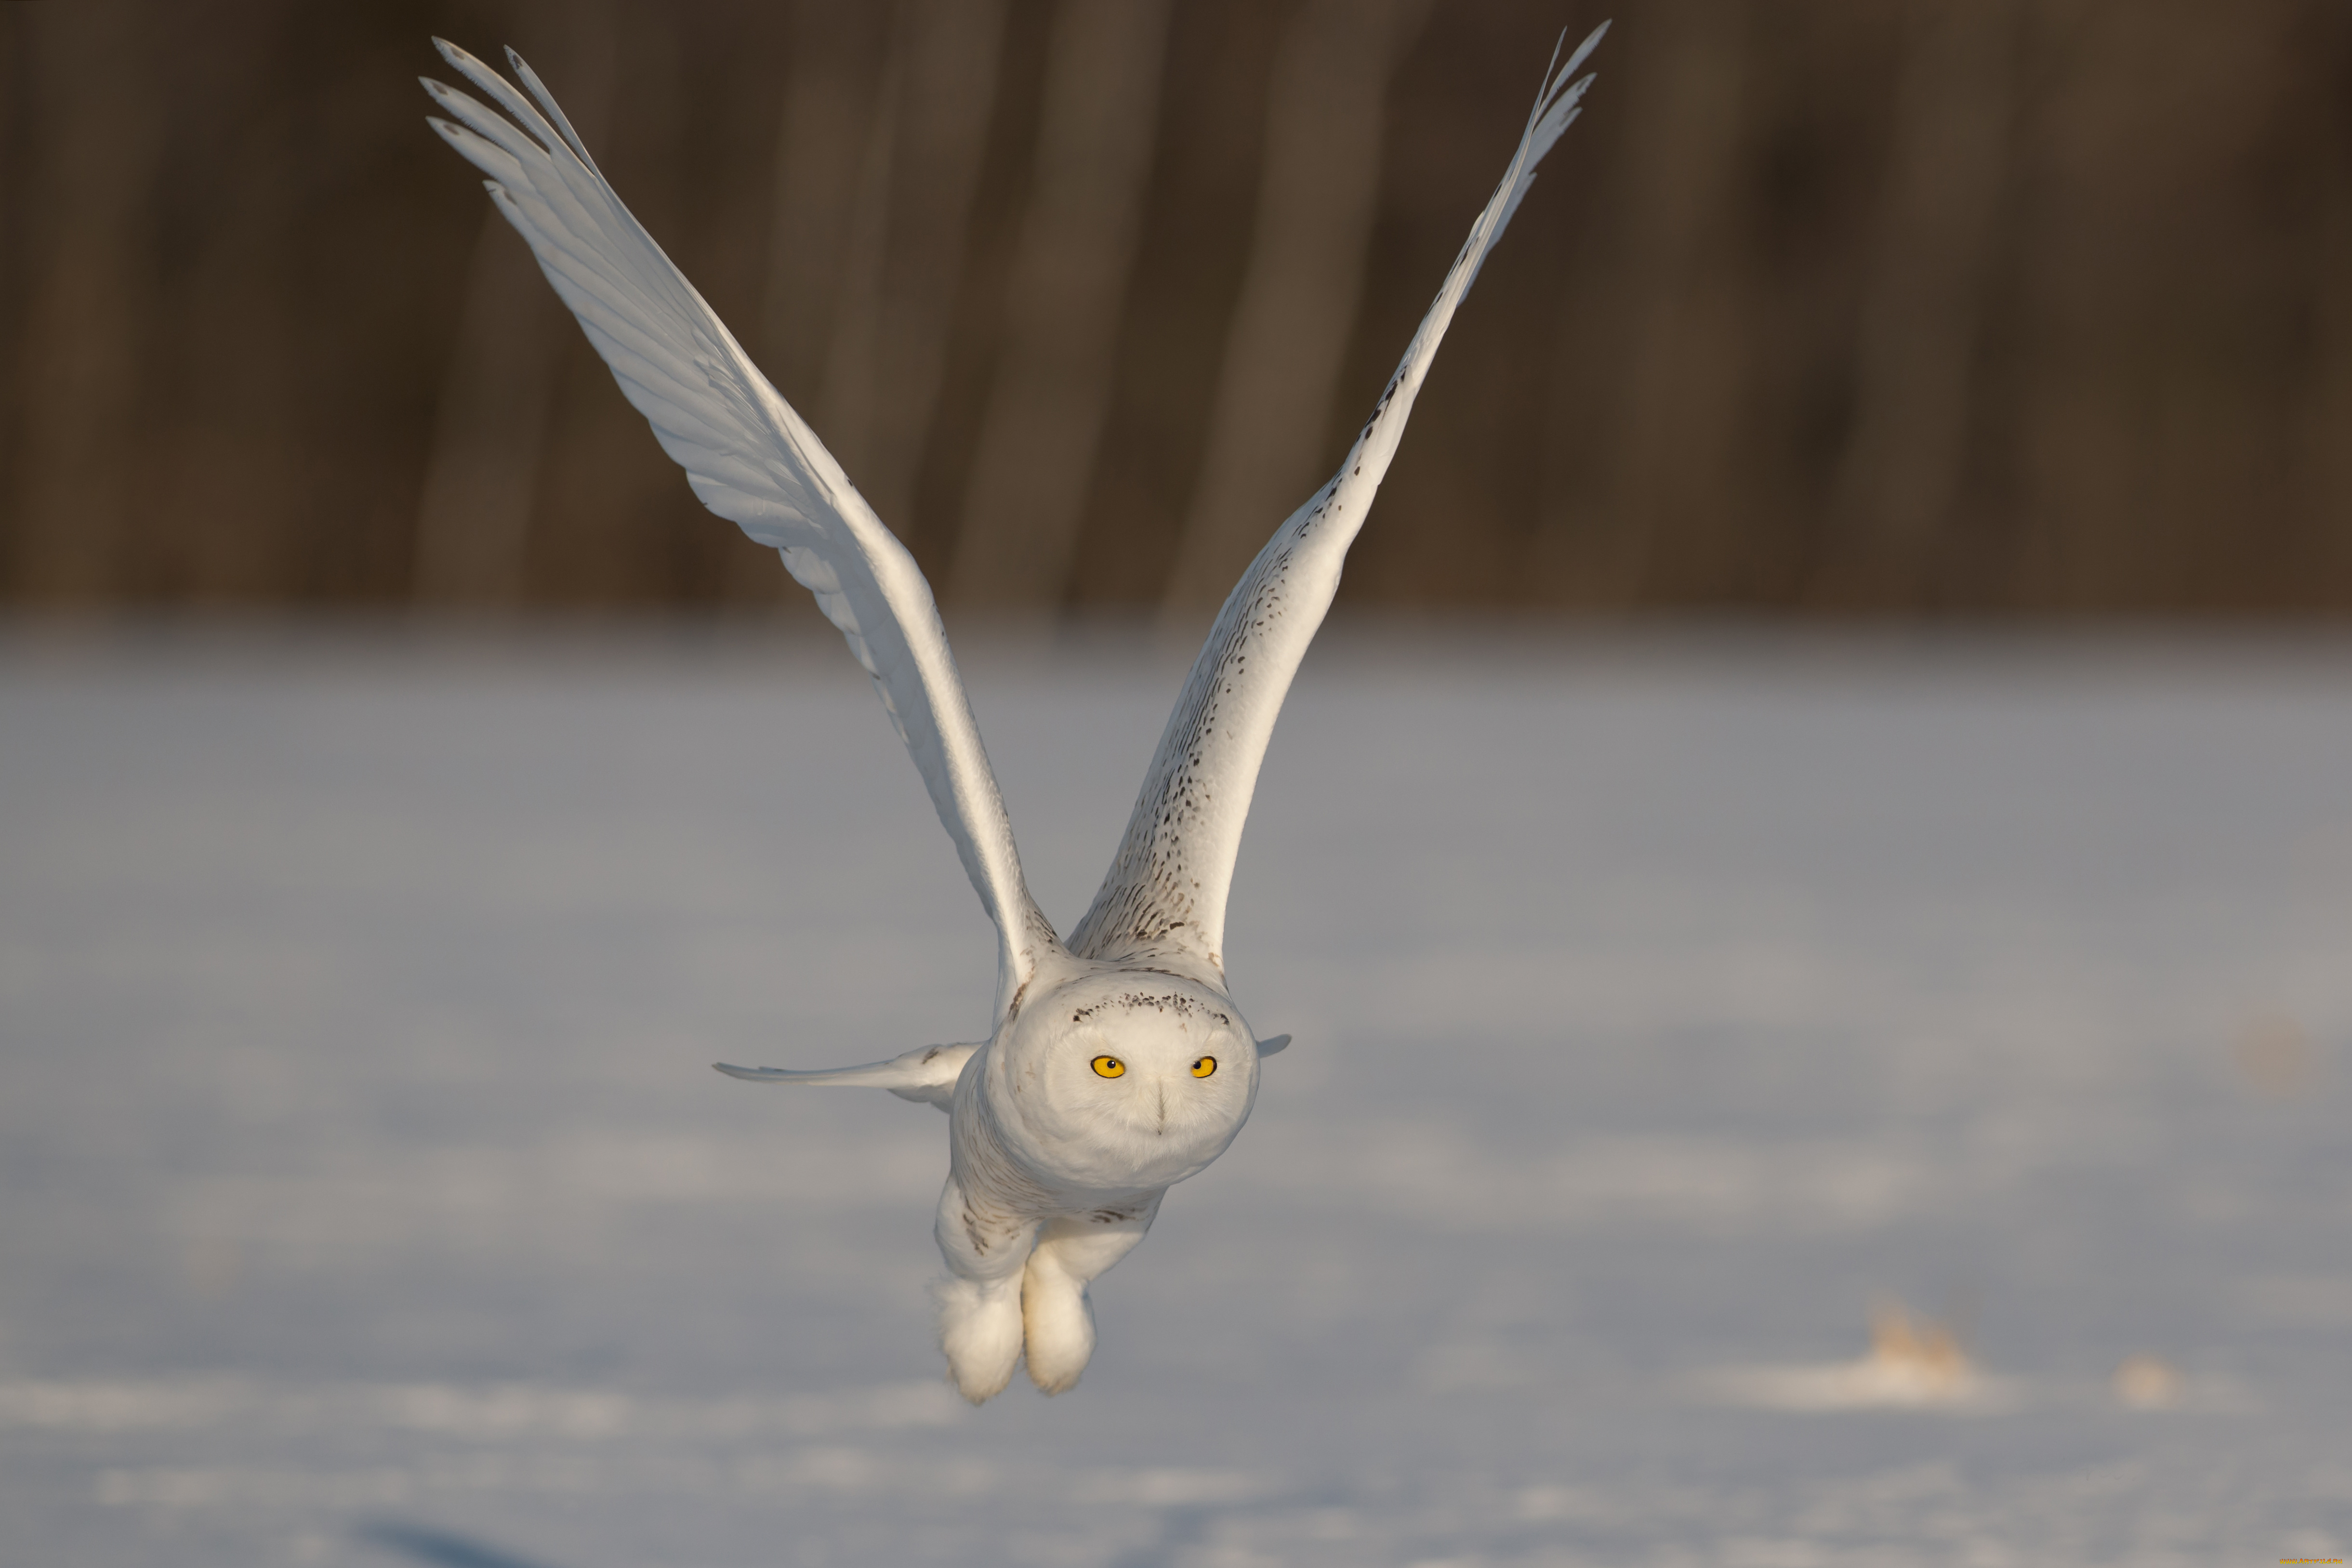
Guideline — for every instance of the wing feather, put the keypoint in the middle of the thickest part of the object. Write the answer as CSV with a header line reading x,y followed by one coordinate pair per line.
x,y
927,1072
1164,901
750,459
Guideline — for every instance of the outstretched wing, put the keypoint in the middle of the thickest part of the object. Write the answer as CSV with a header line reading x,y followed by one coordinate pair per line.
x,y
750,459
927,1072
1164,899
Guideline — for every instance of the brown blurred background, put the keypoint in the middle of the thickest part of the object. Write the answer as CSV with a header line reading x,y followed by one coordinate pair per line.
x,y
1825,307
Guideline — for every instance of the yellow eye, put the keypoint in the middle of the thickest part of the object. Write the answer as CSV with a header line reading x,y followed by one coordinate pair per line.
x,y
1203,1067
1109,1066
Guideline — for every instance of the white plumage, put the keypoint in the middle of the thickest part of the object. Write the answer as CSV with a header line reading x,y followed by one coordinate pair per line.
x,y
1119,1065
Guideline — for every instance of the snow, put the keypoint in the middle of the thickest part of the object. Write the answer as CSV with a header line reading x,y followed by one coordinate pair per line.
x,y
1666,1006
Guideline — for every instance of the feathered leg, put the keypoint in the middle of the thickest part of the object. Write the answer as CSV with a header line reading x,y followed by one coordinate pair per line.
x,y
1057,1321
980,1307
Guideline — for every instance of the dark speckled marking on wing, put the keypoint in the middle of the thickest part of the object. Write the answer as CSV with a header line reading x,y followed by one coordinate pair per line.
x,y
1153,898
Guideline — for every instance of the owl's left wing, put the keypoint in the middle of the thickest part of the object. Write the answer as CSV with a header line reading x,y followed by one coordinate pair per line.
x,y
751,460
1164,899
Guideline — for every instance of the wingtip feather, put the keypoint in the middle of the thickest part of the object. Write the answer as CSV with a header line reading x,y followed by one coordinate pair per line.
x,y
457,136
554,111
1583,50
456,56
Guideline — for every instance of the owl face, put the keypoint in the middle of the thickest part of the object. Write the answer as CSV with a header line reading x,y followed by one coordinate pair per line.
x,y
1127,1080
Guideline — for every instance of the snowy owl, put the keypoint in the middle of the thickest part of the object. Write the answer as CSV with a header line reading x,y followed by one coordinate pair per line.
x,y
1119,1065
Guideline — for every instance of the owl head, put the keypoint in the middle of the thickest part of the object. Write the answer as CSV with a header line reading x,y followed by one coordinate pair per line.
x,y
1124,1079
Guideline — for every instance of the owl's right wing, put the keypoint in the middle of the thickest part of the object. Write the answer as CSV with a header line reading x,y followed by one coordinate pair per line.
x,y
1163,902
751,460
927,1072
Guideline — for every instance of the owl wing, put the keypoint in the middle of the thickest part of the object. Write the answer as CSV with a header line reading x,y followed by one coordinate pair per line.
x,y
927,1072
1164,901
751,460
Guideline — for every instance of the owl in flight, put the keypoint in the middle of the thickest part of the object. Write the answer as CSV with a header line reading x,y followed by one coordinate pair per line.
x,y
1119,1065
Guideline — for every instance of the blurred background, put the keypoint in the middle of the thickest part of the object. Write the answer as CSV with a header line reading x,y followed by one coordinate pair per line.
x,y
1956,307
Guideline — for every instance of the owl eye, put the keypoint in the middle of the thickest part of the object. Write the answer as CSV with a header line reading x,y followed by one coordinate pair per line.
x,y
1109,1066
1203,1067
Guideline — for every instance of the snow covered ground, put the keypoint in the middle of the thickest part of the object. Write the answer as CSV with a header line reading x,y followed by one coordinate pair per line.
x,y
1664,1006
